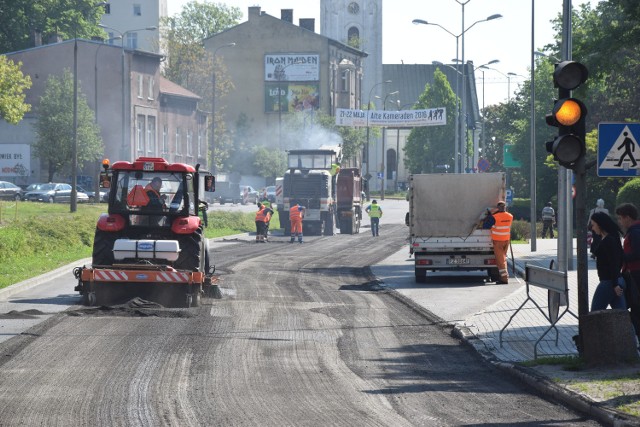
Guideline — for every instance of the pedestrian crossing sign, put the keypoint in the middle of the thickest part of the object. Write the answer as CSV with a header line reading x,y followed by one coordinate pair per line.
x,y
619,149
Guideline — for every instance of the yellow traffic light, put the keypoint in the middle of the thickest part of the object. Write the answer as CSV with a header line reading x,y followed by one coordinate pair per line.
x,y
567,112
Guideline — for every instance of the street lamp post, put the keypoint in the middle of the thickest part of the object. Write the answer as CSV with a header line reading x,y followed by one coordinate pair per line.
x,y
213,106
384,149
459,126
367,175
73,204
123,35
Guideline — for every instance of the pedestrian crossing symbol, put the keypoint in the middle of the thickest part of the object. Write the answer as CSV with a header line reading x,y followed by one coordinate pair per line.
x,y
618,149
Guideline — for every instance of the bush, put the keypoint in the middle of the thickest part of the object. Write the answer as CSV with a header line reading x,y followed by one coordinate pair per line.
x,y
629,193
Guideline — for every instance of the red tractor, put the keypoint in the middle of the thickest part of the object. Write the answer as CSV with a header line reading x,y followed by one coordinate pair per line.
x,y
151,242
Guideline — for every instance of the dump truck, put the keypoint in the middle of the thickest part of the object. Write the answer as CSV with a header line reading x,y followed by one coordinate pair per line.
x,y
446,212
310,181
150,243
349,200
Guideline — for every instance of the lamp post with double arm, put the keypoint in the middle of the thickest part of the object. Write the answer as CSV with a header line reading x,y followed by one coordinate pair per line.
x,y
459,123
367,175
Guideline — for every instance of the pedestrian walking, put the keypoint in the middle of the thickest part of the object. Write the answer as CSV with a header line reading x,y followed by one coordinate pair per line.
x,y
627,215
610,290
548,220
501,238
595,238
296,215
375,213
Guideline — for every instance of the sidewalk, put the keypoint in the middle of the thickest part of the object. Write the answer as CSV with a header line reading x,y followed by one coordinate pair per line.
x,y
480,325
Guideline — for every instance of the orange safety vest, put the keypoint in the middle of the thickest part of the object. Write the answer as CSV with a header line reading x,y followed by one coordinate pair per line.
x,y
501,230
262,216
295,213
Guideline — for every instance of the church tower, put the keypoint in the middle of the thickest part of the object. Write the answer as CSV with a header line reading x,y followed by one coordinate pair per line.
x,y
359,23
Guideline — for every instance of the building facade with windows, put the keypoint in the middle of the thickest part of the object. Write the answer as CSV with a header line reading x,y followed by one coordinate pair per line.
x,y
160,118
131,17
279,69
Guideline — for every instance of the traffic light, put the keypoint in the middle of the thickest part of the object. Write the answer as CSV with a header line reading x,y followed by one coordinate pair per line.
x,y
568,115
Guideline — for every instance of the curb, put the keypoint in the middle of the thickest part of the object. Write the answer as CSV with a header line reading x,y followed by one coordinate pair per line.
x,y
38,280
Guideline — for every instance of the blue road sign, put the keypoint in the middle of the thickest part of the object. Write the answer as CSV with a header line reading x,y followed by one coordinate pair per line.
x,y
509,196
483,165
619,149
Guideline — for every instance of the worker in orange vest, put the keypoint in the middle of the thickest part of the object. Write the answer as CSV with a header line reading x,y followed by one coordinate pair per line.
x,y
296,214
263,216
501,237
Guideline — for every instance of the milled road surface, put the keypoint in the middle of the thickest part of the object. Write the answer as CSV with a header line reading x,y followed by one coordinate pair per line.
x,y
303,336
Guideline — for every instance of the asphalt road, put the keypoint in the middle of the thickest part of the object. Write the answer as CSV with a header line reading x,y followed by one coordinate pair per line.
x,y
303,336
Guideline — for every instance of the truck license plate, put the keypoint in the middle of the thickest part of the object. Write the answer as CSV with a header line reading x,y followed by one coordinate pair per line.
x,y
458,261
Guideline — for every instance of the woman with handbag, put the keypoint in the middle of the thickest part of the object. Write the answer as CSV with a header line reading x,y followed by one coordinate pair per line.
x,y
610,290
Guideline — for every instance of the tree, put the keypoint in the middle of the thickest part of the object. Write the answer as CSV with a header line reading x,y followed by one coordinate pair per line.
x,y
21,19
430,146
54,127
269,163
191,66
12,86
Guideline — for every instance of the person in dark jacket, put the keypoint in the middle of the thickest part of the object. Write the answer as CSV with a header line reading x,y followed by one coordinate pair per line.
x,y
610,290
627,215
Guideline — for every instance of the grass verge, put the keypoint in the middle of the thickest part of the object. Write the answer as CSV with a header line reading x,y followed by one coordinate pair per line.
x,y
39,237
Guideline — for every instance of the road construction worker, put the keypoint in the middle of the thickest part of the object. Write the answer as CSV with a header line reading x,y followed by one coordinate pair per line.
x,y
375,213
296,214
263,216
153,191
501,237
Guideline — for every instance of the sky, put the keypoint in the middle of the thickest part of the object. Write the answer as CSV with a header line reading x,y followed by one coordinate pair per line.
x,y
507,39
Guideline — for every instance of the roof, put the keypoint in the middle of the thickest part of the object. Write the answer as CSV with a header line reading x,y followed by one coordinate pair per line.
x,y
168,87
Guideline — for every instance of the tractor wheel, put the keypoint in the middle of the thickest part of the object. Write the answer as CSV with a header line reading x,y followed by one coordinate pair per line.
x,y
190,251
103,247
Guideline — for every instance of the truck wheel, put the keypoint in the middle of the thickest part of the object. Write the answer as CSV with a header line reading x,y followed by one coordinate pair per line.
x,y
103,247
494,274
190,251
329,226
421,276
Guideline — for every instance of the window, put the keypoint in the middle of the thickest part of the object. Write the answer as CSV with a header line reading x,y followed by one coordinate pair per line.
x,y
151,134
353,37
132,40
140,85
165,139
200,142
137,10
189,143
140,133
345,75
150,88
178,151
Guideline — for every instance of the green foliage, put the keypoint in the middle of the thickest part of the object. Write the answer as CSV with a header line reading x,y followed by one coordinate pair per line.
x,y
54,127
12,87
630,193
269,163
67,18
430,146
191,66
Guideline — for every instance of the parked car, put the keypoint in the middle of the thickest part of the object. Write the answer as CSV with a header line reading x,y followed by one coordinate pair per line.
x,y
9,191
271,193
248,194
30,187
54,192
92,194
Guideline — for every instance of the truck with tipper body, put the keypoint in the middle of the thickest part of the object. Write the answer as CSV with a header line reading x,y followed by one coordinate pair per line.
x,y
446,213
